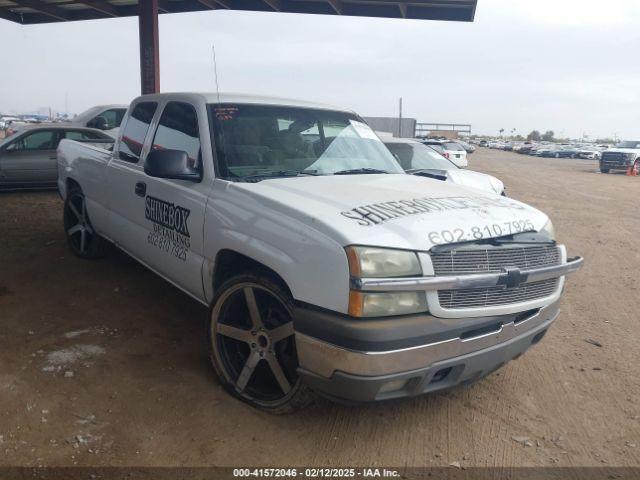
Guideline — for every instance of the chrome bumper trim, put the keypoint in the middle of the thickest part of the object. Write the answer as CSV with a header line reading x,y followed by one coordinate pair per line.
x,y
458,282
324,358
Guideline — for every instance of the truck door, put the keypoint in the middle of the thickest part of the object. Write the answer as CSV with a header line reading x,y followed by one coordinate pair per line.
x,y
125,172
174,209
169,214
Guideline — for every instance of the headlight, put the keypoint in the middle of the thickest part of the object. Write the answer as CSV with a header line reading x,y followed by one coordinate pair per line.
x,y
383,304
371,262
549,230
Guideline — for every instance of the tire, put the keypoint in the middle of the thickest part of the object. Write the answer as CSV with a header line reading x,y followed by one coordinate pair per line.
x,y
604,170
82,239
252,345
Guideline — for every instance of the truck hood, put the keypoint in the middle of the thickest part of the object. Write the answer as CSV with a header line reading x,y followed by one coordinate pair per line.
x,y
391,210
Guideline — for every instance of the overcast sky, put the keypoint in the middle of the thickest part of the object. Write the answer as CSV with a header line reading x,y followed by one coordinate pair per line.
x,y
571,66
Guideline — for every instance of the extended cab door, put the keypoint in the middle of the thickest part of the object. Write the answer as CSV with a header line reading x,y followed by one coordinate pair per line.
x,y
166,216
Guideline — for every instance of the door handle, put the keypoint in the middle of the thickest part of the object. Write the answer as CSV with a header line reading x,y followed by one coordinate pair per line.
x,y
141,189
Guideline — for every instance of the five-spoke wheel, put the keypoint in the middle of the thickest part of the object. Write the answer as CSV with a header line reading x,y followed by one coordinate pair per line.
x,y
253,346
81,237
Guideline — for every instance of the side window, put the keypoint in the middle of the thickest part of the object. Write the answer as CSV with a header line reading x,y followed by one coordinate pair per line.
x,y
136,130
178,130
112,118
80,135
41,140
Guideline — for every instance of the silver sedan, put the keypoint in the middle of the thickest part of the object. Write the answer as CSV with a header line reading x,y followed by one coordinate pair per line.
x,y
28,158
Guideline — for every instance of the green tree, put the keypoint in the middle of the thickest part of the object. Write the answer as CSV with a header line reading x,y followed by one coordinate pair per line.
x,y
534,136
548,136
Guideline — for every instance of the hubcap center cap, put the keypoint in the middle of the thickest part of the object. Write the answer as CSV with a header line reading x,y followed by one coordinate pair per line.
x,y
263,340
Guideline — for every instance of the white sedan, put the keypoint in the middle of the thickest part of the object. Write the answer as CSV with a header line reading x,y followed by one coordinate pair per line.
x,y
419,159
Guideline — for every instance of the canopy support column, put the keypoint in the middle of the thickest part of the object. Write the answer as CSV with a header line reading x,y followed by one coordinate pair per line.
x,y
149,46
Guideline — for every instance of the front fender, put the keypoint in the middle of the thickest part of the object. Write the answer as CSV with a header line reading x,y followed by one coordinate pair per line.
x,y
313,266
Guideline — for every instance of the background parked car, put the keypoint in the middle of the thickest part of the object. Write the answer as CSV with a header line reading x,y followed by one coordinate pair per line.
x,y
591,153
419,159
102,117
28,158
467,146
450,150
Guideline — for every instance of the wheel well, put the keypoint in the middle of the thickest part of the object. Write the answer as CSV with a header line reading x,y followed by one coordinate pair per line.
x,y
230,263
71,184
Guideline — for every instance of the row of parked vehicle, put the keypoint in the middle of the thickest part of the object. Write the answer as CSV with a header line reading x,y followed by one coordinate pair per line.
x,y
624,155
551,150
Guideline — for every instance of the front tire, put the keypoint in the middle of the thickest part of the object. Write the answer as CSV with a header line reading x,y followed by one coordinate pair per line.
x,y
252,344
82,239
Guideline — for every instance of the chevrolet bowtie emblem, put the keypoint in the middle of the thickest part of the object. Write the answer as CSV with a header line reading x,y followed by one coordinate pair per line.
x,y
512,278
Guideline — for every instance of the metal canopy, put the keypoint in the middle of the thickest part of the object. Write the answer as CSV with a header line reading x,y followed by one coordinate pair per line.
x,y
48,11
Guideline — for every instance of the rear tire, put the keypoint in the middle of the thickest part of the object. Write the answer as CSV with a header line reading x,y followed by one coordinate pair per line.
x,y
252,344
82,239
604,170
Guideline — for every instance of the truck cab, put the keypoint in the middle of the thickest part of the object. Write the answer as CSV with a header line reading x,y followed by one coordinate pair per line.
x,y
623,156
326,268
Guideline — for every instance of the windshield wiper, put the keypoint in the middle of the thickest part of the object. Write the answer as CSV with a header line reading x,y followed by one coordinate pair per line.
x,y
274,174
356,171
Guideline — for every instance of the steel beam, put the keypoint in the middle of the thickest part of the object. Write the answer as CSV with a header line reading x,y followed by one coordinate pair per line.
x,y
102,7
48,9
149,46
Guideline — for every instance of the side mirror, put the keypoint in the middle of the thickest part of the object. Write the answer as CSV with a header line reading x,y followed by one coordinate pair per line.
x,y
172,164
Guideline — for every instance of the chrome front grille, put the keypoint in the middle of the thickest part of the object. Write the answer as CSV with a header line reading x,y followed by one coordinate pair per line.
x,y
488,297
489,260
612,158
492,260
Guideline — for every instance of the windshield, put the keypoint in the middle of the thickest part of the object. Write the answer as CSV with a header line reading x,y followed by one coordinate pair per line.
x,y
418,156
254,141
628,144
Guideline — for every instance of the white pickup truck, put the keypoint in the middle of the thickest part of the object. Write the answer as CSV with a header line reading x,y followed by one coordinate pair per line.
x,y
623,156
326,268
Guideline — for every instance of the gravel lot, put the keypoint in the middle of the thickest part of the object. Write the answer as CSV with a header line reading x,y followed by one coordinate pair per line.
x,y
103,363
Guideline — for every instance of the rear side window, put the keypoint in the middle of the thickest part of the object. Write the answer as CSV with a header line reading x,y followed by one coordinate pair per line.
x,y
136,130
81,135
178,130
40,140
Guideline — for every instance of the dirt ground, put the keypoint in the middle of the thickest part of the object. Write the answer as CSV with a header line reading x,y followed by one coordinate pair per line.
x,y
103,363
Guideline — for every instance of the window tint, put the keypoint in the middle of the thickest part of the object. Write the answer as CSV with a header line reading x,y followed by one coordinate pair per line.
x,y
178,130
136,130
40,140
113,117
81,135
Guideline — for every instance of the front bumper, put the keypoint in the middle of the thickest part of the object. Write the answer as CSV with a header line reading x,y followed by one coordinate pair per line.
x,y
409,355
